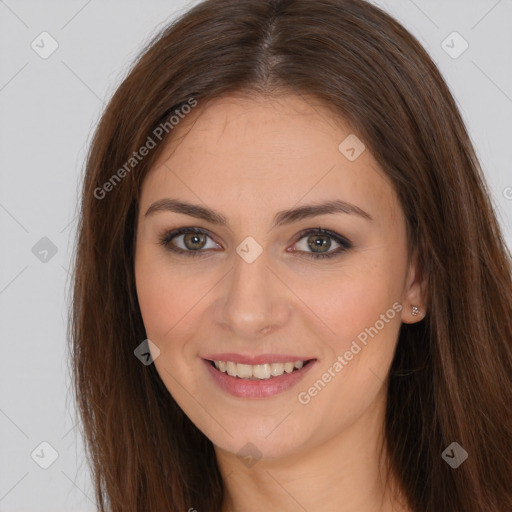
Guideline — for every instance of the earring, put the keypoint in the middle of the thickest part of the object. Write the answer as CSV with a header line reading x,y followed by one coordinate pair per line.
x,y
415,311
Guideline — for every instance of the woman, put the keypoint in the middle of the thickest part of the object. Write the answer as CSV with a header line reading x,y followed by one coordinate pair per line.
x,y
291,291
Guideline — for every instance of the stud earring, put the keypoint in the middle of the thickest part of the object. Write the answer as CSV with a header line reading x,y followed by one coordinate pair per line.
x,y
415,311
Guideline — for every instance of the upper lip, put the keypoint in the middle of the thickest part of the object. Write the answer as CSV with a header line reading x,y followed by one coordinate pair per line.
x,y
256,359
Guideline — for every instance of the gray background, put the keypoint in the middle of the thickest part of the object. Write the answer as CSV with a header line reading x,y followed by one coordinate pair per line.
x,y
48,110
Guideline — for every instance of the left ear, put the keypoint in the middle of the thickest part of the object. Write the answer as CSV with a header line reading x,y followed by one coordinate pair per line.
x,y
415,293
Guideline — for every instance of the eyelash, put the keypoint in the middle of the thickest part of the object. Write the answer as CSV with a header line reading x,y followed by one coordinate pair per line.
x,y
345,243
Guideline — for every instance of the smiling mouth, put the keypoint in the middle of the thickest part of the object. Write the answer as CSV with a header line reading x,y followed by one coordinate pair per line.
x,y
258,371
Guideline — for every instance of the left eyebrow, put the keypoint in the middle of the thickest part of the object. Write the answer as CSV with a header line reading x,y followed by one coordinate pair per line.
x,y
312,210
281,218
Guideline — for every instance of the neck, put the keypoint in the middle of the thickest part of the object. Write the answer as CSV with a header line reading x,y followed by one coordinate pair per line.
x,y
347,473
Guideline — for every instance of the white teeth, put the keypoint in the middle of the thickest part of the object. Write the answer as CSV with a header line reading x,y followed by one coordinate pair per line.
x,y
244,370
288,367
231,369
261,371
257,371
277,369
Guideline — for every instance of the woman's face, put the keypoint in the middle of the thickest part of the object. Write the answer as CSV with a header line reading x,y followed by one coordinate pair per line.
x,y
252,285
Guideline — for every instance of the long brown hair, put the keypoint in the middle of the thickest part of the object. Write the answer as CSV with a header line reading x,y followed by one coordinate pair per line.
x,y
452,373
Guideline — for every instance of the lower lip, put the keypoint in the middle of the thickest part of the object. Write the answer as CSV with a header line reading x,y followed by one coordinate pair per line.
x,y
247,388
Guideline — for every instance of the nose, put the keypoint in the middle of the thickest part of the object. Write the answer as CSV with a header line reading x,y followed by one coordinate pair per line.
x,y
253,301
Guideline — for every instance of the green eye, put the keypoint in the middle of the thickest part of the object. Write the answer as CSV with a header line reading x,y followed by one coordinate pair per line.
x,y
193,240
318,242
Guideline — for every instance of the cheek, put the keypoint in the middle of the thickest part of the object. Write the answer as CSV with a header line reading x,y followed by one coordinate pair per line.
x,y
347,301
168,313
163,296
364,314
172,302
157,307
360,308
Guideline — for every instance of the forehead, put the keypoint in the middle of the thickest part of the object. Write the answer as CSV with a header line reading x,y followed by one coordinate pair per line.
x,y
290,125
238,149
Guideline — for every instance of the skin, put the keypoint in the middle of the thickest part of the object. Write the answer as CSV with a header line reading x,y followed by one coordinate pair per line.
x,y
247,158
